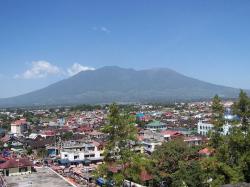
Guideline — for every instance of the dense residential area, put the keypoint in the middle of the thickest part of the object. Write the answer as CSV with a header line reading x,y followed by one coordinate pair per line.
x,y
180,144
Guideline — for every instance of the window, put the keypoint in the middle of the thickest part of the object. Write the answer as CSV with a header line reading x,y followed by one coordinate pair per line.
x,y
66,156
91,148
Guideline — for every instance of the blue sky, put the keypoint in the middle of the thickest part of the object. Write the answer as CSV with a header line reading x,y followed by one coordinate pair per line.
x,y
44,41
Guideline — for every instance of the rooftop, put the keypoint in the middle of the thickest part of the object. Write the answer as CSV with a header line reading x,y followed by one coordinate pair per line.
x,y
155,124
44,177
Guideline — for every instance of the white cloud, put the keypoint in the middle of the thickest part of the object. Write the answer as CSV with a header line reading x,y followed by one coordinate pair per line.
x,y
76,68
39,69
102,29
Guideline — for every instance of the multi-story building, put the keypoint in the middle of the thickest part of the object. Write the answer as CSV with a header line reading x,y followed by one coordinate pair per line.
x,y
204,128
156,126
75,151
18,127
149,145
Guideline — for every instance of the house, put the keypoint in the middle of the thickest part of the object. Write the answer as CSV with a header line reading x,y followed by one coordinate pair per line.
x,y
16,167
170,134
206,152
149,145
77,151
18,127
48,133
33,136
156,125
95,134
204,128
149,134
193,140
140,116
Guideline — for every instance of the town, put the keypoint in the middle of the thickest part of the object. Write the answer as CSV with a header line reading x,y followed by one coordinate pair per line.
x,y
75,144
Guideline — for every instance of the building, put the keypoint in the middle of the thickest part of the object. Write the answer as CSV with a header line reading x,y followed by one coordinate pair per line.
x,y
206,152
19,127
149,134
156,125
77,152
170,134
193,140
204,128
149,145
14,167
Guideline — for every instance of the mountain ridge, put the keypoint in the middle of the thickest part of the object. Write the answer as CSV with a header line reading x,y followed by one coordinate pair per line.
x,y
112,83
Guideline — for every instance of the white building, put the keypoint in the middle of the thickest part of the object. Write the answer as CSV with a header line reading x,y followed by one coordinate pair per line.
x,y
204,128
79,151
18,127
149,145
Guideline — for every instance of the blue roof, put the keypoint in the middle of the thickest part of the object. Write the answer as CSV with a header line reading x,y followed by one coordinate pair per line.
x,y
139,115
100,181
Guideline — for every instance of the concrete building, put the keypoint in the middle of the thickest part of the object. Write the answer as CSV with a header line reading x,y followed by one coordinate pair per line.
x,y
156,126
18,127
74,151
14,167
204,128
149,145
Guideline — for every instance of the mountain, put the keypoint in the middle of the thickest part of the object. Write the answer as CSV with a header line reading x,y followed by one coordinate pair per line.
x,y
109,84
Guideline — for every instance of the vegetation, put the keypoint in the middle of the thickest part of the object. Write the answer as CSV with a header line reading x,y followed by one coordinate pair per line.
x,y
67,135
86,107
175,163
119,154
42,153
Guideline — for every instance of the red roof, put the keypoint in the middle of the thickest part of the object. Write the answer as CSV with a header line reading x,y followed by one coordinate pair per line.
x,y
95,133
49,133
6,138
113,169
145,176
140,138
2,158
171,133
168,114
206,151
84,129
20,122
13,163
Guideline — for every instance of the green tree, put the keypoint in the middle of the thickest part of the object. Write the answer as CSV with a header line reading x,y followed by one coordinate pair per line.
x,y
67,135
118,151
231,163
242,109
217,173
189,174
169,158
42,153
121,132
217,120
29,151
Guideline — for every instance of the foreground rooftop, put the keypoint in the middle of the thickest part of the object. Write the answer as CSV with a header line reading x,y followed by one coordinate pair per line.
x,y
44,177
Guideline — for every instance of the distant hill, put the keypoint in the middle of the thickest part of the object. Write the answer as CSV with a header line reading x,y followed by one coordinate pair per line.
x,y
109,84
